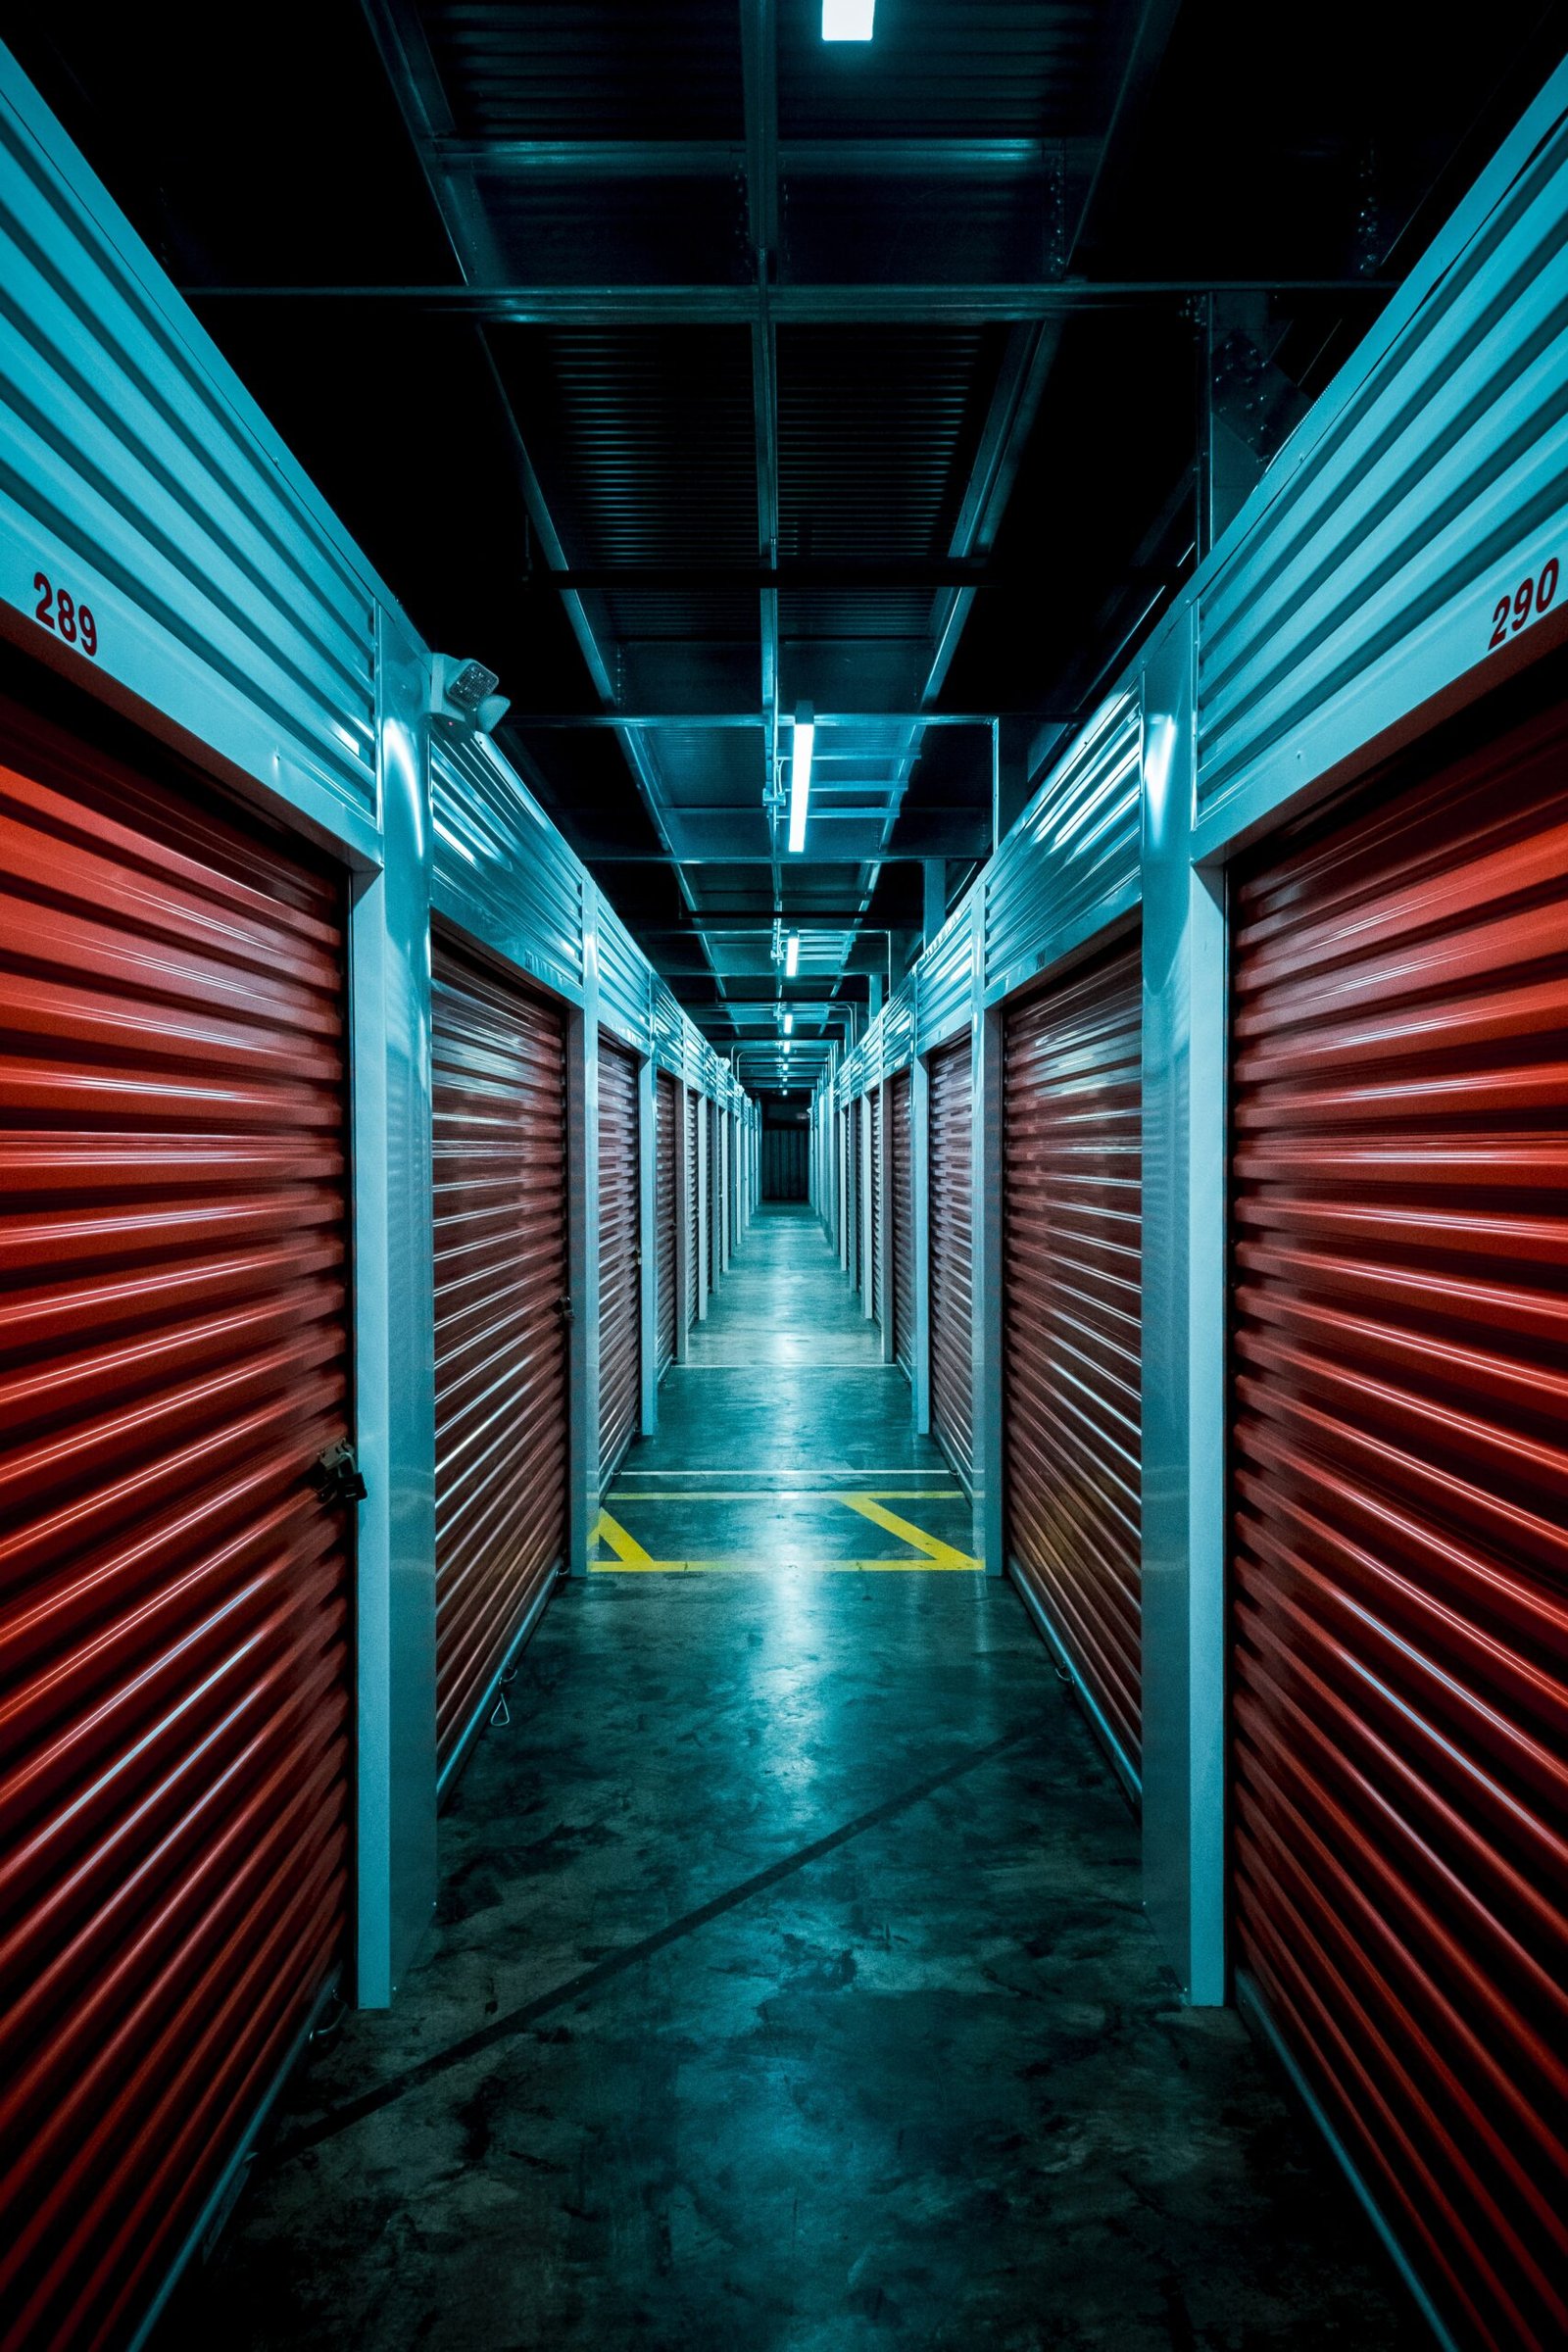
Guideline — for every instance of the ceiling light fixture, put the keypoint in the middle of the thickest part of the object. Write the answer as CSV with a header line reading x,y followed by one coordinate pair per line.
x,y
801,749
789,1024
791,956
847,20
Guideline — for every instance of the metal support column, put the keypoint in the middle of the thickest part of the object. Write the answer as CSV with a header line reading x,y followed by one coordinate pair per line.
x,y
582,1247
1184,1401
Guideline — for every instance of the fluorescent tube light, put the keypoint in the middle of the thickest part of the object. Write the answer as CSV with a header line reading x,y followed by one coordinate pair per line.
x,y
801,749
847,20
789,1024
792,956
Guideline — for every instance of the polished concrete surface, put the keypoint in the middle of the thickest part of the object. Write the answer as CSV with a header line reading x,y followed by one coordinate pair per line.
x,y
790,1987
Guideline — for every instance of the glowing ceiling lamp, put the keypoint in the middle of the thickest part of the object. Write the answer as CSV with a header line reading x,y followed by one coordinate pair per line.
x,y
791,956
789,1024
847,20
801,751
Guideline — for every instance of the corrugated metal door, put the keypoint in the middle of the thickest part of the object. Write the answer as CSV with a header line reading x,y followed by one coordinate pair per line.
x,y
1399,1566
873,1105
693,1196
619,1257
666,1216
174,1742
856,1241
498,1169
902,1112
716,1196
952,1304
1071,1319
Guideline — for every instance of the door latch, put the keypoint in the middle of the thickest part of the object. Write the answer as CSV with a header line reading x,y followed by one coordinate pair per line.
x,y
565,1308
337,1477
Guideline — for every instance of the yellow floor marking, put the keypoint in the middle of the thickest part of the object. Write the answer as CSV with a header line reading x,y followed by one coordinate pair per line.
x,y
610,1531
794,1494
943,1555
765,1567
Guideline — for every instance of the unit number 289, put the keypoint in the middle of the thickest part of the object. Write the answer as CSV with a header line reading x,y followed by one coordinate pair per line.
x,y
57,609
1528,602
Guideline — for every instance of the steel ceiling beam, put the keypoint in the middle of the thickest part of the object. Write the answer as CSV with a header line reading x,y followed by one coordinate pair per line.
x,y
759,81
517,304
998,453
865,158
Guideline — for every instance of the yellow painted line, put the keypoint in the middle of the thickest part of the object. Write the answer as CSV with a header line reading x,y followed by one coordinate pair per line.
x,y
944,1556
626,1549
770,1566
794,1494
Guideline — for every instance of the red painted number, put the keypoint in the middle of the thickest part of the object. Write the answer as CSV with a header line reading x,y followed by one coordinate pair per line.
x,y
1528,602
58,610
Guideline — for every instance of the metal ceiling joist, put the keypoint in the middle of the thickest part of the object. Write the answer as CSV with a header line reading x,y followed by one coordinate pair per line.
x,y
509,303
759,82
1152,27
798,158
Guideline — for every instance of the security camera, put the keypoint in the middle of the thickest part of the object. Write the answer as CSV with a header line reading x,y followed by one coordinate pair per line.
x,y
466,690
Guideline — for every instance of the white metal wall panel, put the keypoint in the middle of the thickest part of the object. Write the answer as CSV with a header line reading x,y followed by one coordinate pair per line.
x,y
134,482
947,979
500,868
1430,485
668,1027
626,981
898,1030
1070,863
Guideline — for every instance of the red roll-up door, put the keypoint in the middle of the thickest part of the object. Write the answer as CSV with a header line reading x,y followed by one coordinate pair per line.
x,y
873,1108
857,1243
666,1217
902,1109
949,1221
500,1284
1400,1565
694,1208
1071,1319
716,1196
175,1733
619,1257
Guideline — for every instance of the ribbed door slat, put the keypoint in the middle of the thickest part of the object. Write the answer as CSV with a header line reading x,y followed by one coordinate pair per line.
x,y
856,1239
175,1619
666,1216
952,1180
501,1278
1399,1563
874,1112
901,1111
619,1257
1071,1321
694,1198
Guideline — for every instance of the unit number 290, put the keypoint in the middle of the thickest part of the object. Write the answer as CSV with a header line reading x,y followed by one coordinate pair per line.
x,y
58,610
1527,603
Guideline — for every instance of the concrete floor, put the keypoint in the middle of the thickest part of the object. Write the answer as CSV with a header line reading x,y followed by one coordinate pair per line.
x,y
791,1987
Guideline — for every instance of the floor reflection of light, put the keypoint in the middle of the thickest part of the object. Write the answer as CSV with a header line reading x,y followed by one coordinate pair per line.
x,y
795,1728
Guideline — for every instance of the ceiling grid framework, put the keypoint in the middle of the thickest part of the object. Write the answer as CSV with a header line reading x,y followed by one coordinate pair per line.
x,y
884,378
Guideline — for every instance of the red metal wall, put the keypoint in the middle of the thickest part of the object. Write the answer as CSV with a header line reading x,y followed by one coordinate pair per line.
x,y
1400,1660
619,1257
501,1286
900,1107
174,1621
951,1306
1071,1321
666,1216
